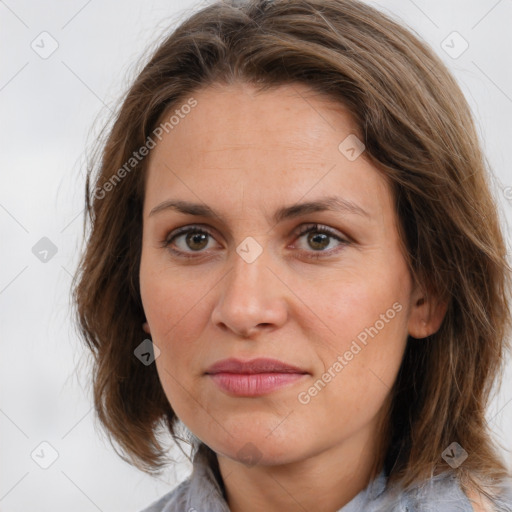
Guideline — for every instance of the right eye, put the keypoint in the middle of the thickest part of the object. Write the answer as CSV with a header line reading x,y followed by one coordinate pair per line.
x,y
189,240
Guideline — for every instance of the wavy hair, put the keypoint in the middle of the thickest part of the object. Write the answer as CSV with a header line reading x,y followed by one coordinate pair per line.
x,y
418,130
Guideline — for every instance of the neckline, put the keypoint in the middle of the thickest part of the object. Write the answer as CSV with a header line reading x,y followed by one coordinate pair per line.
x,y
206,465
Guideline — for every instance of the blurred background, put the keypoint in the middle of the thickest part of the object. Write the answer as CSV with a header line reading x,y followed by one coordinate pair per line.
x,y
64,67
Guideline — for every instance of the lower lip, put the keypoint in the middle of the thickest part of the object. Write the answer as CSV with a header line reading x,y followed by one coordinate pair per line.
x,y
254,384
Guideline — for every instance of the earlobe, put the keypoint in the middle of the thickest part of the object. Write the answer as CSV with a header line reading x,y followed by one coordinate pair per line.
x,y
145,327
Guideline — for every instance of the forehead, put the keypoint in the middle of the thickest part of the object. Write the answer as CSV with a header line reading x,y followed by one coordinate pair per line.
x,y
279,143
291,113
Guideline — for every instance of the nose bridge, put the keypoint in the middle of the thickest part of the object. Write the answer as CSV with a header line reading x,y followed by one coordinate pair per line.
x,y
250,294
248,279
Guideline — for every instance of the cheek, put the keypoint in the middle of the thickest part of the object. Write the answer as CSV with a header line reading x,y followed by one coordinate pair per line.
x,y
175,311
363,350
348,307
352,387
169,301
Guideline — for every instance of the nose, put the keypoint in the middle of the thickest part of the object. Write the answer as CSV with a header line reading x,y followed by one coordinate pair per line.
x,y
252,298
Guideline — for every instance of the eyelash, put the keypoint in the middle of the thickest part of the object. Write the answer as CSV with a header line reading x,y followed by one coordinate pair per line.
x,y
303,230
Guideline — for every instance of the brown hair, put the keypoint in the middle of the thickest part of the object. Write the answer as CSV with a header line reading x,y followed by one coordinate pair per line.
x,y
417,129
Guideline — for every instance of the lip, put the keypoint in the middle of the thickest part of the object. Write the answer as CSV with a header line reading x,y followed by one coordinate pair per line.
x,y
254,377
258,365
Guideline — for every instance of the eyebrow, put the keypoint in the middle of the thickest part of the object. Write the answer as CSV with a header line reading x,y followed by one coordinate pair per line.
x,y
330,203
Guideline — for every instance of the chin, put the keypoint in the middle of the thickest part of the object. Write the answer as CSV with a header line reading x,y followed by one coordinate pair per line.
x,y
259,449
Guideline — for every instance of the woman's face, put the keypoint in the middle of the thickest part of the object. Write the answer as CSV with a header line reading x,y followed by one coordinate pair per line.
x,y
338,305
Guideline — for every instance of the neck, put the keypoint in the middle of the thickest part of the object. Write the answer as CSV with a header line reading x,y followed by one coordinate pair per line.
x,y
324,482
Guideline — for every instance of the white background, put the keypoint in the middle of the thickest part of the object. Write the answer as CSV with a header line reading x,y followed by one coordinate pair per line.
x,y
51,110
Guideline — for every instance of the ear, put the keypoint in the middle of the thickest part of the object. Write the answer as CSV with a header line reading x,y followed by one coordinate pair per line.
x,y
427,312
145,327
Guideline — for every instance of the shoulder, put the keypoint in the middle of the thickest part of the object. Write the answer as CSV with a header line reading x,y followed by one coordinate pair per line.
x,y
479,502
174,500
192,495
440,493
444,493
502,498
200,491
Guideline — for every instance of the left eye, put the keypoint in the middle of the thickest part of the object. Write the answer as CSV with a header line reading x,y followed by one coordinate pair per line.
x,y
319,237
196,239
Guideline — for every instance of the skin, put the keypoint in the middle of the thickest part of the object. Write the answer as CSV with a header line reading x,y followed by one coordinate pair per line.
x,y
246,154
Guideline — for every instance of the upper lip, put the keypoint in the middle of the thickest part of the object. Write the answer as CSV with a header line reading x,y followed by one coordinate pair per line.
x,y
259,365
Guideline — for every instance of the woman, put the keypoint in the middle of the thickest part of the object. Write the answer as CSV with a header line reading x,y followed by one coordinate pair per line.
x,y
296,256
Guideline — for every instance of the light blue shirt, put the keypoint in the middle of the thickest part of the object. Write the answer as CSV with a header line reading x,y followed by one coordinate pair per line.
x,y
201,492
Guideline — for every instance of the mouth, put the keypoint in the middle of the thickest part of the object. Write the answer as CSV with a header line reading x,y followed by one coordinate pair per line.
x,y
255,377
